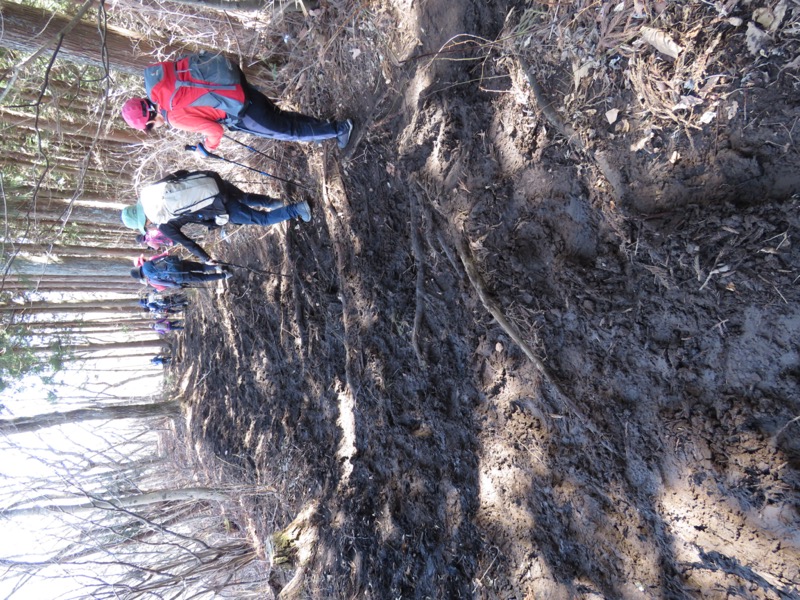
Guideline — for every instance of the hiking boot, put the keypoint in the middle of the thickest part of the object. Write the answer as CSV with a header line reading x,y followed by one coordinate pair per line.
x,y
302,211
343,131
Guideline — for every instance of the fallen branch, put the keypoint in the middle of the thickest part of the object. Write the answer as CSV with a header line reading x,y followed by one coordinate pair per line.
x,y
782,429
419,295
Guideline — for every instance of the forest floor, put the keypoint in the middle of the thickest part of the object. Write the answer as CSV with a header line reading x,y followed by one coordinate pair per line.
x,y
542,335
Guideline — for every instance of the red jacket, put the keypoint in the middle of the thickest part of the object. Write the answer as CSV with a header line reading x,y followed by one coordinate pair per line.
x,y
175,103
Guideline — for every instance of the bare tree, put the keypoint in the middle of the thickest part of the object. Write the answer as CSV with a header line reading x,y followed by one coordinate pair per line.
x,y
127,502
26,26
105,413
118,541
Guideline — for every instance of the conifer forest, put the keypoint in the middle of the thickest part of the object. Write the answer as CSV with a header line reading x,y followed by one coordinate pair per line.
x,y
489,299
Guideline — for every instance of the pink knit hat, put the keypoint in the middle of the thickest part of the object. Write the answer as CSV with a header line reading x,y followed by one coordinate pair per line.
x,y
137,112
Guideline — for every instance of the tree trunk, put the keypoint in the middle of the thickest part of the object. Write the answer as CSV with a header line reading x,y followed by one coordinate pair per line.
x,y
127,503
122,288
65,309
130,320
155,344
87,267
87,306
106,413
35,249
25,26
244,5
16,119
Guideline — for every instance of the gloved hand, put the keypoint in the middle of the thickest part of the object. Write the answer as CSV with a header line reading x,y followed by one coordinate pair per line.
x,y
201,150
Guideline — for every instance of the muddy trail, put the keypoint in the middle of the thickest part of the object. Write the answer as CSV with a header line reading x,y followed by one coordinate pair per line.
x,y
501,362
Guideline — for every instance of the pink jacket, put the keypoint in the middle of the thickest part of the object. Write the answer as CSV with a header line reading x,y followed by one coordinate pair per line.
x,y
155,239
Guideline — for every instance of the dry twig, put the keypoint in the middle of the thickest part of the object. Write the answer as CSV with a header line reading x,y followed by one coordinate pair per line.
x,y
420,283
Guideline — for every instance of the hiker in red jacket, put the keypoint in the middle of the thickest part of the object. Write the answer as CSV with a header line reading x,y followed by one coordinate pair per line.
x,y
204,92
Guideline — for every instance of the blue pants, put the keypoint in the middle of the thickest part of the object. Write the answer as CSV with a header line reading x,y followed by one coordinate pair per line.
x,y
240,210
264,119
176,270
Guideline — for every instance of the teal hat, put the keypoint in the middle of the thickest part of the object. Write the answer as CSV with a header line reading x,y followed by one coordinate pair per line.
x,y
133,217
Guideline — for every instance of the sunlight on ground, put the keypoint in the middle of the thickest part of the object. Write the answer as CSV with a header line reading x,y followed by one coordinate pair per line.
x,y
495,485
729,534
347,423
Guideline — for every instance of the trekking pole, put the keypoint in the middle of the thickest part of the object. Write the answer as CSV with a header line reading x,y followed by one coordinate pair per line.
x,y
227,264
264,154
190,148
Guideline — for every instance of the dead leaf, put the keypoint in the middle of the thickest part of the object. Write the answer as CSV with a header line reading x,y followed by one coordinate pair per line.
x,y
708,116
764,17
639,11
662,276
578,73
642,142
779,12
661,41
355,53
732,109
756,39
687,103
712,81
611,115
795,64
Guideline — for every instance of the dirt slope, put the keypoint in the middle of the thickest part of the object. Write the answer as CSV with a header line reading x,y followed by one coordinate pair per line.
x,y
400,403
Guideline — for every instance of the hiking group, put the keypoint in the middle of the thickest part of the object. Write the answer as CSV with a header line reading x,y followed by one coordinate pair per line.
x,y
206,93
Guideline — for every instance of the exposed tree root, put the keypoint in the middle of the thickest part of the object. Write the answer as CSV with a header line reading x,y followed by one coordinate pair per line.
x,y
420,294
295,545
494,308
496,311
612,175
336,204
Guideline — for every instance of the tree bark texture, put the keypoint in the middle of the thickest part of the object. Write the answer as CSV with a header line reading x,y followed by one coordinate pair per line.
x,y
25,27
106,413
88,130
129,502
88,267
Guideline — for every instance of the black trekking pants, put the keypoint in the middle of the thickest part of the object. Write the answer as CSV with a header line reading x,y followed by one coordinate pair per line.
x,y
264,119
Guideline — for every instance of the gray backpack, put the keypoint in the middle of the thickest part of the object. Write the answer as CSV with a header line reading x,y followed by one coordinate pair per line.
x,y
183,193
202,79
